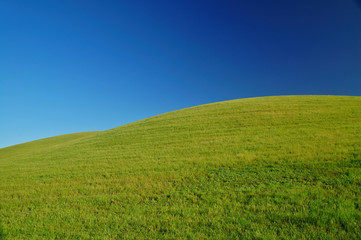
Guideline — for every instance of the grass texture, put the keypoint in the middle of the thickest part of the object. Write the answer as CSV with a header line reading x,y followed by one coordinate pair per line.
x,y
284,167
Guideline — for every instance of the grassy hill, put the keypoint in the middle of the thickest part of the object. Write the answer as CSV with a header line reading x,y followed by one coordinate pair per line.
x,y
260,168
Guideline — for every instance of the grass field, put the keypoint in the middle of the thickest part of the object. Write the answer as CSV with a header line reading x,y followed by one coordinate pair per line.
x,y
260,168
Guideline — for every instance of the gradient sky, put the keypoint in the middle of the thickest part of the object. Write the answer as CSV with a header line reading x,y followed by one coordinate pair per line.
x,y
71,66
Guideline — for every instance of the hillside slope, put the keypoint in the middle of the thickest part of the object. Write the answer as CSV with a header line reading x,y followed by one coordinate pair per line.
x,y
272,167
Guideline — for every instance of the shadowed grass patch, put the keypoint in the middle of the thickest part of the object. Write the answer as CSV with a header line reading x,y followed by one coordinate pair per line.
x,y
2,233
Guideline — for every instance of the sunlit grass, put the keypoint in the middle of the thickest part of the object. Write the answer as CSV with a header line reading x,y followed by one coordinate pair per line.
x,y
260,168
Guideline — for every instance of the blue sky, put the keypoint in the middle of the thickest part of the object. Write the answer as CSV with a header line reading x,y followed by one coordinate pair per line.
x,y
71,66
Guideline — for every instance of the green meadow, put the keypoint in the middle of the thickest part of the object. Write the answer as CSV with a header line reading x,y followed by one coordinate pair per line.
x,y
285,167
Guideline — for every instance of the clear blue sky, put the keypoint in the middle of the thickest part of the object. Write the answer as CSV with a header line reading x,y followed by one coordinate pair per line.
x,y
71,66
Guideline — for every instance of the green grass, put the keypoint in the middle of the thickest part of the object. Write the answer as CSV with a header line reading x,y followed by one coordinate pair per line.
x,y
261,168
